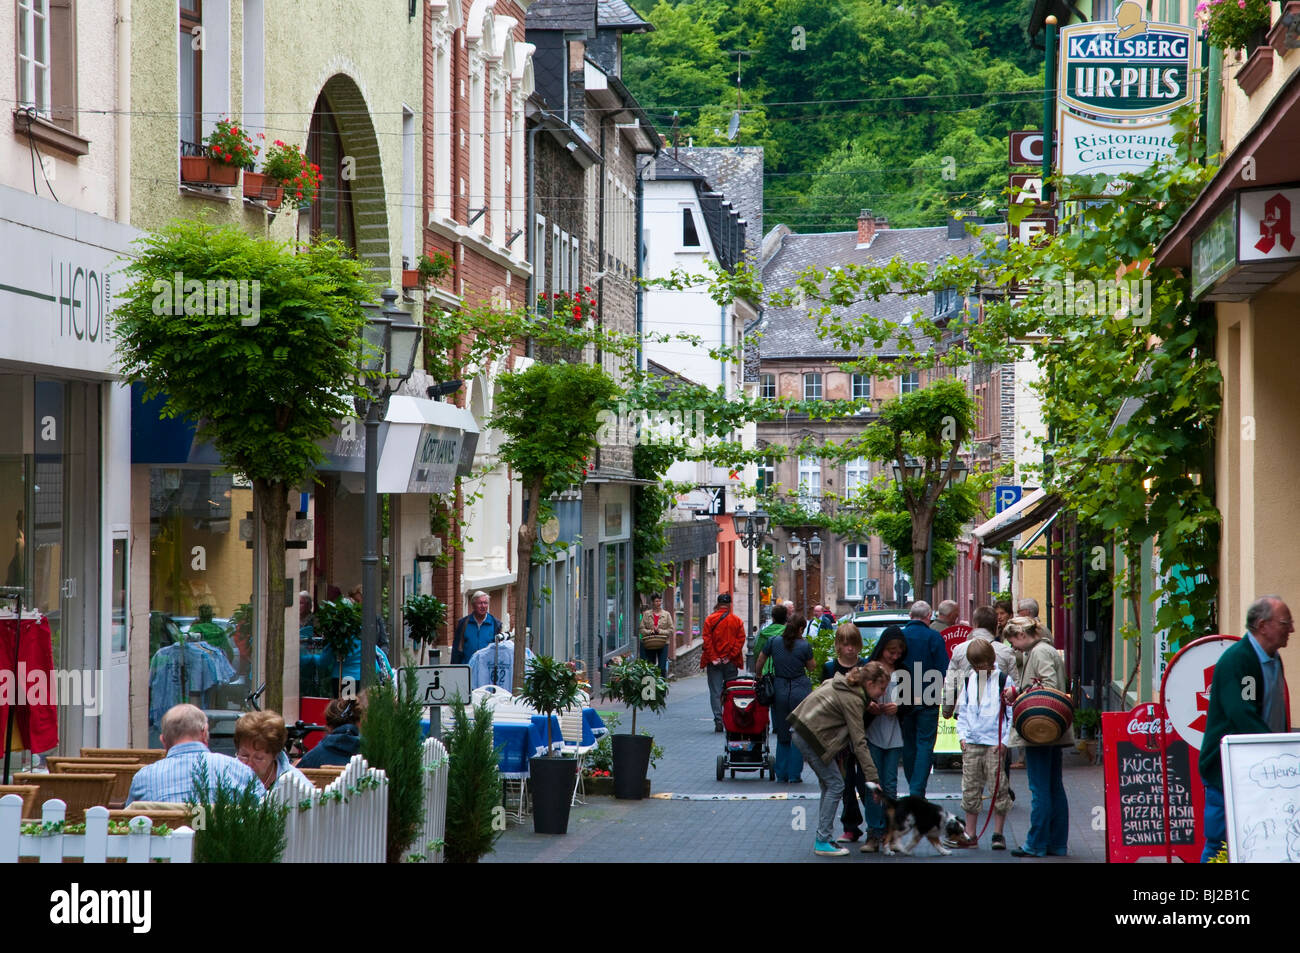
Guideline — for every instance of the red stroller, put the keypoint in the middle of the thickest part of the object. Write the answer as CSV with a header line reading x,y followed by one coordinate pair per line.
x,y
745,721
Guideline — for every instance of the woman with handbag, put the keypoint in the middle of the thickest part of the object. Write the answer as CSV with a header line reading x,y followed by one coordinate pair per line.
x,y
657,628
1044,714
792,660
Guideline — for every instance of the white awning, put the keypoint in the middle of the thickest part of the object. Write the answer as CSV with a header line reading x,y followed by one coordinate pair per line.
x,y
1008,516
425,445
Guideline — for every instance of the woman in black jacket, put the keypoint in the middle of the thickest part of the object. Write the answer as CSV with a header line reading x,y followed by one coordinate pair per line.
x,y
342,718
792,660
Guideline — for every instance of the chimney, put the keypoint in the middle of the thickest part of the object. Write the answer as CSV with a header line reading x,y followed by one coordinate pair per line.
x,y
866,227
956,229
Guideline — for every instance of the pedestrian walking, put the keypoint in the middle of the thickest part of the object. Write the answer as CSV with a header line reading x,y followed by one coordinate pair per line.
x,y
657,629
827,721
722,653
1039,665
983,722
927,664
792,660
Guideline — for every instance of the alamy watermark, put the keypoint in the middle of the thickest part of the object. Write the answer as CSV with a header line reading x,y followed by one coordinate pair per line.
x,y
214,297
1117,298
41,687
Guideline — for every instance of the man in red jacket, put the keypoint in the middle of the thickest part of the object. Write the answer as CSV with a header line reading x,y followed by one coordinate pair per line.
x,y
723,652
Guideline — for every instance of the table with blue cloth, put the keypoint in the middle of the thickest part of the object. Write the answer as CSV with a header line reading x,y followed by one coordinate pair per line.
x,y
516,742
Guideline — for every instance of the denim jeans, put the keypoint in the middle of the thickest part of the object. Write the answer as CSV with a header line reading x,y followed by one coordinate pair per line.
x,y
832,788
1049,812
855,787
718,676
1216,823
659,656
887,760
920,726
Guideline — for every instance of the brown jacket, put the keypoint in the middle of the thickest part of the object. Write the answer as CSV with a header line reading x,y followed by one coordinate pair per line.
x,y
830,720
667,626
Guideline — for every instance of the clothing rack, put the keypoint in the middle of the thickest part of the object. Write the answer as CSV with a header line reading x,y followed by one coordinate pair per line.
x,y
13,594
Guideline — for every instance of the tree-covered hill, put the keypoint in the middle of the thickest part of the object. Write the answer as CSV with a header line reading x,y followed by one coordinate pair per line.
x,y
902,108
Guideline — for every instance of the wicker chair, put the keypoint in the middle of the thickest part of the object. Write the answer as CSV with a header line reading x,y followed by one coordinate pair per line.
x,y
55,761
77,791
143,755
123,772
321,777
28,792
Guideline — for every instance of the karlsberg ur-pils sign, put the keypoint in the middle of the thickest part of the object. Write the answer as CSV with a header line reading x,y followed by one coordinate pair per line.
x,y
1127,68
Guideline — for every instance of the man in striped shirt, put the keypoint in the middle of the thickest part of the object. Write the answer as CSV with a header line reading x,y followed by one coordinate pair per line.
x,y
185,739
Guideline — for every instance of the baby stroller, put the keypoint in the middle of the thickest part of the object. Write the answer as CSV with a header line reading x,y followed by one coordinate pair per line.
x,y
745,721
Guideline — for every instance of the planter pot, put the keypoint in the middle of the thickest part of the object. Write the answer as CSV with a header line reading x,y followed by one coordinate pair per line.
x,y
200,170
410,279
631,762
1256,68
1285,33
552,781
604,787
261,188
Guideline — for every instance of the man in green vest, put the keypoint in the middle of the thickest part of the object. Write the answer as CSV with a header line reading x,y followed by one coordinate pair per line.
x,y
777,626
1247,697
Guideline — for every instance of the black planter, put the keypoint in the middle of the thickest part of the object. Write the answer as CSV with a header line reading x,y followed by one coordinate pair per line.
x,y
631,763
552,781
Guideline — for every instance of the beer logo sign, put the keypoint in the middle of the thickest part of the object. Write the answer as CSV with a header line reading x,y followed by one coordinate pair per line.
x,y
1127,68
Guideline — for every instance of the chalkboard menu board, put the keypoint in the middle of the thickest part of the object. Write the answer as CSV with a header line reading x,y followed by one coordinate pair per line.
x,y
1135,788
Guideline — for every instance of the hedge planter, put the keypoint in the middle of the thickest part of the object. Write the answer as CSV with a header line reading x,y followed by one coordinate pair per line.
x,y
261,188
200,170
631,764
552,781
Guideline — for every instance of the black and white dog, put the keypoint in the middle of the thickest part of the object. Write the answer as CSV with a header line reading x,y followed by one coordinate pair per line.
x,y
921,819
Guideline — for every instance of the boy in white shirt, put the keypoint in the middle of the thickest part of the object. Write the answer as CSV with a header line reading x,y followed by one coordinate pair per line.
x,y
983,723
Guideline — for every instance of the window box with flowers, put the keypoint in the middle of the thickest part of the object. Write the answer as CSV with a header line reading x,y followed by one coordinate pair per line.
x,y
287,177
568,306
1234,24
427,271
226,150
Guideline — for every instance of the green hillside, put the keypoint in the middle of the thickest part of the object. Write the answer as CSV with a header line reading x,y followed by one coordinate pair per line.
x,y
902,108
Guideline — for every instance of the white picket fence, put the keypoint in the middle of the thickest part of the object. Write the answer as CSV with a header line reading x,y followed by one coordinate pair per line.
x,y
435,764
347,822
95,846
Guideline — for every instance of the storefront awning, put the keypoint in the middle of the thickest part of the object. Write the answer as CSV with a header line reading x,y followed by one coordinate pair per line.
x,y
423,445
1031,510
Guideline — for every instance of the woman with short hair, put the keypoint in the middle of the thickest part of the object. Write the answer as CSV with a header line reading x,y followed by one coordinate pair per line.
x,y
260,738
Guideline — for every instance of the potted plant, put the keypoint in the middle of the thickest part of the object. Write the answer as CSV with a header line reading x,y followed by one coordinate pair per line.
x,y
473,786
297,179
226,150
568,306
424,615
427,271
638,684
260,187
338,625
598,769
551,686
1234,24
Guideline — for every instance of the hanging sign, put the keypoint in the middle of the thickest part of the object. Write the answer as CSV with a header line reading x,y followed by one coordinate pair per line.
x,y
1127,68
1094,148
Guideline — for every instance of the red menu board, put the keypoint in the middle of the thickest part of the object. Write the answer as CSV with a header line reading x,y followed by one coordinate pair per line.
x,y
954,636
1135,788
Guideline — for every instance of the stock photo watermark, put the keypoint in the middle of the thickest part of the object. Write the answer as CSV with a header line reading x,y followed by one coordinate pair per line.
x,y
215,297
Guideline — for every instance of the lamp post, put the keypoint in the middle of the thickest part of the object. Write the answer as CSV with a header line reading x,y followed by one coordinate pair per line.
x,y
914,469
752,529
387,359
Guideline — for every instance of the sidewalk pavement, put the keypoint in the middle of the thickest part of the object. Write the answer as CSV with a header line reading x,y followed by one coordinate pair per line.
x,y
692,817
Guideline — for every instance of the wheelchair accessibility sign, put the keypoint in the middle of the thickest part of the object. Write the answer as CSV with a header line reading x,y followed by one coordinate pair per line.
x,y
438,684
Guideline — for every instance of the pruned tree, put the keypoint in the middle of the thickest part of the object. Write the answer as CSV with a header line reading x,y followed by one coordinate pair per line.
x,y
265,378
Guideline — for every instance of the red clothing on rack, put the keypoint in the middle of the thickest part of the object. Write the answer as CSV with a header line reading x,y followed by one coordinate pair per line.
x,y
39,722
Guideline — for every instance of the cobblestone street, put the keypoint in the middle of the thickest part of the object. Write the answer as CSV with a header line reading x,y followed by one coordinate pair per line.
x,y
691,817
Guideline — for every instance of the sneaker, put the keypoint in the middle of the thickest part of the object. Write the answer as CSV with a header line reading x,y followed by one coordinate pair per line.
x,y
999,842
828,850
848,837
871,845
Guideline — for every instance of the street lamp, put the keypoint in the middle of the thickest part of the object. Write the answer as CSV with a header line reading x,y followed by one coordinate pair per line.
x,y
387,359
751,528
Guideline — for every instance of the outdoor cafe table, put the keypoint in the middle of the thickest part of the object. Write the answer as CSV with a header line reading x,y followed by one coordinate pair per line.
x,y
516,742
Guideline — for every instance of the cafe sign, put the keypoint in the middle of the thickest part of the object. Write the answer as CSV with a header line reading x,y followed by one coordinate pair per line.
x,y
1127,68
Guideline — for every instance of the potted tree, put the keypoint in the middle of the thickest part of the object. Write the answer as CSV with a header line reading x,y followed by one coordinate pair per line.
x,y
424,615
226,150
338,625
550,686
638,684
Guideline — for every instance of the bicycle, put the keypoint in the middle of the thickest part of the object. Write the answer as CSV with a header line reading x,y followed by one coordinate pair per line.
x,y
298,732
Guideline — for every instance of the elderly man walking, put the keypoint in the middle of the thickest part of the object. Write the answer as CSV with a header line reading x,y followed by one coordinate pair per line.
x,y
185,739
926,665
722,653
474,631
1247,697
945,616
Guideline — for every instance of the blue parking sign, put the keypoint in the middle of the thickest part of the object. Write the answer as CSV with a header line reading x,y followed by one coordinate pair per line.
x,y
1005,496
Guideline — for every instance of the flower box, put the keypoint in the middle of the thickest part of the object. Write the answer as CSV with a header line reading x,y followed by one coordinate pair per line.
x,y
411,279
200,170
262,188
1278,33
604,787
1256,68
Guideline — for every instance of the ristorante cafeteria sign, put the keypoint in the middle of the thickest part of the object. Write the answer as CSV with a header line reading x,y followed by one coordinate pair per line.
x,y
1127,68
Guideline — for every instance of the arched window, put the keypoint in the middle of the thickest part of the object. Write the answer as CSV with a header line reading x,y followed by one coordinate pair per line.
x,y
331,213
